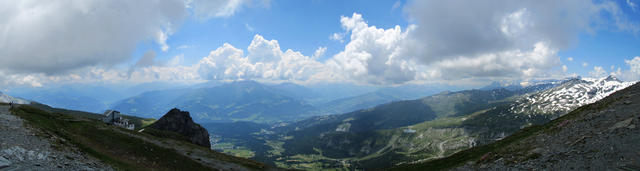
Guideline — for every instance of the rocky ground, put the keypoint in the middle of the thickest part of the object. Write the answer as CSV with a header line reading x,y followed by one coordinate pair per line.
x,y
26,148
603,136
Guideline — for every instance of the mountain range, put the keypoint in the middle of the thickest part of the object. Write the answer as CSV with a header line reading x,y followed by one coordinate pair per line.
x,y
595,136
423,129
258,102
377,129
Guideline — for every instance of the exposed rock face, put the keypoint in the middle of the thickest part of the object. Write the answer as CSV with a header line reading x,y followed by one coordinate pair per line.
x,y
180,122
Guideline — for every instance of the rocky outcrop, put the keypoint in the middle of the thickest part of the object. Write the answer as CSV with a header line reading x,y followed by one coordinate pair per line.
x,y
180,122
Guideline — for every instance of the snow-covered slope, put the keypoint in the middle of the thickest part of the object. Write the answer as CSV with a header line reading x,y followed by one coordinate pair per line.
x,y
569,95
6,99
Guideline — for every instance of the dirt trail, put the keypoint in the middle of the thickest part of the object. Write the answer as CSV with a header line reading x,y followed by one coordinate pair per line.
x,y
25,148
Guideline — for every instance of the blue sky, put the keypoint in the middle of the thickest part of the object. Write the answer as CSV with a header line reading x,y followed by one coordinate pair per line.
x,y
299,25
390,42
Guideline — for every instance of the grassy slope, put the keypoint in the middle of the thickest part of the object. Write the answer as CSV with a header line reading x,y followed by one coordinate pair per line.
x,y
112,146
485,152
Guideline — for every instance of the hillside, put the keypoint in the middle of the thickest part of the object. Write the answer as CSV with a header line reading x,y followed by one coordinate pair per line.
x,y
125,149
598,136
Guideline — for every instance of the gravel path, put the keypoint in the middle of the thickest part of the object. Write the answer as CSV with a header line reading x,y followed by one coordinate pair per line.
x,y
21,149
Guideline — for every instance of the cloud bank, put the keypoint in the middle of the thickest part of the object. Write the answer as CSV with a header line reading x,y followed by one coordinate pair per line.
x,y
445,41
54,37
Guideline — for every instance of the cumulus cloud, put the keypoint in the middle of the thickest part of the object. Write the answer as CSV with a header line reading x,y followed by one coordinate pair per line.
x,y
489,39
585,64
564,68
57,36
375,55
476,40
634,69
265,60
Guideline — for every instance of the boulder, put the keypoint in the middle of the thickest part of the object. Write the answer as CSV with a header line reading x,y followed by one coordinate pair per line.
x,y
180,122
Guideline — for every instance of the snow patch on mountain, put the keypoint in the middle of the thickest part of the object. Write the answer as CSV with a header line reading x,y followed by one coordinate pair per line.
x,y
571,94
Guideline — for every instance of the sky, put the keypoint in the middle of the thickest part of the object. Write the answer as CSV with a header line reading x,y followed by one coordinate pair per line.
x,y
384,42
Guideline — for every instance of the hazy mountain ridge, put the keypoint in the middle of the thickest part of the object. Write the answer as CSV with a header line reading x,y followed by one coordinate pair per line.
x,y
241,100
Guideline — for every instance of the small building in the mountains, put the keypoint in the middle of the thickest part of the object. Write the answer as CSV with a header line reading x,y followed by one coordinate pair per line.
x,y
113,117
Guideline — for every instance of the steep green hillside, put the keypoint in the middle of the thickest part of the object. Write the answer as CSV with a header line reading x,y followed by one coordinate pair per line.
x,y
126,149
573,141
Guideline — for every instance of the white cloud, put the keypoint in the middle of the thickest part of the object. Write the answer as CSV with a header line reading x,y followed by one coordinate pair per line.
x,y
495,39
634,69
490,39
265,60
632,5
337,37
319,53
598,72
161,39
585,64
58,36
632,74
374,55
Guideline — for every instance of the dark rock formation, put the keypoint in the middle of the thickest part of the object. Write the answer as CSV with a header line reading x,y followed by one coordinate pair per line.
x,y
181,123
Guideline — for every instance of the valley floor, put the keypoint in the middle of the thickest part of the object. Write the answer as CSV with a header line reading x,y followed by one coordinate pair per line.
x,y
21,148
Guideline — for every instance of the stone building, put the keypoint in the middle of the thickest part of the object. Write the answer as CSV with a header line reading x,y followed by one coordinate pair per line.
x,y
113,117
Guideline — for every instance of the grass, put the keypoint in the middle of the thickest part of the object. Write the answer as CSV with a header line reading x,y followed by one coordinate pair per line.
x,y
100,141
114,145
240,152
276,148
